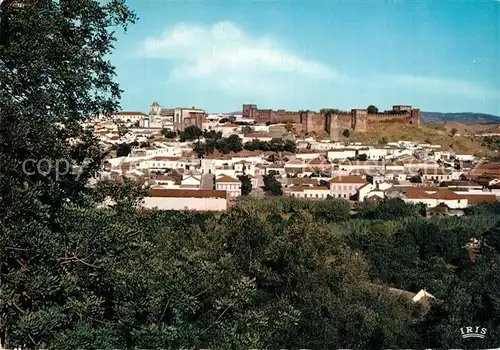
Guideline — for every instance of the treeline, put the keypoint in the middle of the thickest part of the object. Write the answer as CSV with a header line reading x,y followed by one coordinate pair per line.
x,y
215,141
277,273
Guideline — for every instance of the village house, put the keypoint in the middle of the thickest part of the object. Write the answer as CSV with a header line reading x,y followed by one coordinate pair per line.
x,y
341,154
178,199
346,186
438,175
157,163
310,192
229,184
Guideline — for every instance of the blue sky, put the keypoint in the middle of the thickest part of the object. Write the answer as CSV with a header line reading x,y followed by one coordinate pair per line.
x,y
438,55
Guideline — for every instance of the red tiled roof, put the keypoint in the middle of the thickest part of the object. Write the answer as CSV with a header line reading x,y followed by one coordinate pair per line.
x,y
480,198
348,180
175,193
130,113
228,179
167,159
308,188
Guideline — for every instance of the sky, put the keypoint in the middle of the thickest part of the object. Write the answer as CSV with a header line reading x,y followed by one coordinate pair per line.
x,y
440,55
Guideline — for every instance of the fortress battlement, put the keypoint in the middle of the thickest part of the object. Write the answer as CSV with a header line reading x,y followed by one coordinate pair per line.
x,y
334,123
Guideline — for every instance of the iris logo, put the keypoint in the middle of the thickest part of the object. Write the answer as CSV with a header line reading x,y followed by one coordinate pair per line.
x,y
473,332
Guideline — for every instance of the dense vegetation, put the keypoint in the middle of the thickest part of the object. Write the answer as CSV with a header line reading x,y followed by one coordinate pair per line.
x,y
269,273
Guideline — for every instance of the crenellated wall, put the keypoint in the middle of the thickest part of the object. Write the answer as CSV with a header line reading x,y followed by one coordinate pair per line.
x,y
334,124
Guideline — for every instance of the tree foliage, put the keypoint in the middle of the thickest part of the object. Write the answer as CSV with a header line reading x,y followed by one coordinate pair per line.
x,y
246,185
190,133
123,149
268,273
272,186
169,134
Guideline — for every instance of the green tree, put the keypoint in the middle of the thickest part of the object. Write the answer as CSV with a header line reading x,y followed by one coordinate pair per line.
x,y
346,133
277,145
272,186
290,146
234,143
454,131
246,185
169,134
372,109
416,179
190,133
123,149
362,157
288,126
383,140
246,129
54,74
122,128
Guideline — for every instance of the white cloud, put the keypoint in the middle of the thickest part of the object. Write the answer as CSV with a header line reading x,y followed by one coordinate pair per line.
x,y
229,59
226,59
442,86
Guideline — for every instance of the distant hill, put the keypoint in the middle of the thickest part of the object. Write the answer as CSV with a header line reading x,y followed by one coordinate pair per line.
x,y
462,117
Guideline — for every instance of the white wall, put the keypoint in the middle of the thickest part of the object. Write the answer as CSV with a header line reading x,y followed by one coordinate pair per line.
x,y
175,203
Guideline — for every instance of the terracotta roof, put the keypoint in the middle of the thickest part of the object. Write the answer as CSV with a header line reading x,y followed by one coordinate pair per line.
x,y
436,171
480,198
175,193
348,180
308,188
130,113
228,179
167,158
318,161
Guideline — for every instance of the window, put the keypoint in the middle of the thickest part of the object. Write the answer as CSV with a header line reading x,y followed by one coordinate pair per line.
x,y
317,195
345,196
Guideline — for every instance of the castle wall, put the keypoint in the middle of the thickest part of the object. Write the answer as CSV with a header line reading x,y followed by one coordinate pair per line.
x,y
357,119
344,121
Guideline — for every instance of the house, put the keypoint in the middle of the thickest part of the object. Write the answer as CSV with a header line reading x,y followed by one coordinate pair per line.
x,y
438,175
229,184
364,190
433,199
341,154
443,210
311,192
160,162
178,199
191,181
346,186
464,157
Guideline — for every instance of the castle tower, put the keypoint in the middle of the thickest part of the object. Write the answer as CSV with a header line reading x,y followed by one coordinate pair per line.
x,y
359,119
402,108
332,122
415,118
249,111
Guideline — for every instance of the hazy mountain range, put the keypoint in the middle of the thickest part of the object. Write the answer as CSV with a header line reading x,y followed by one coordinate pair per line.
x,y
460,117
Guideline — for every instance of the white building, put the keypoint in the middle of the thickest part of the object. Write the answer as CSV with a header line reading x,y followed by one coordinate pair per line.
x,y
341,154
177,199
229,184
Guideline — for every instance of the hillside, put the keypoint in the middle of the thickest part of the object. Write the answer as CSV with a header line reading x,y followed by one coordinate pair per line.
x,y
462,117
436,133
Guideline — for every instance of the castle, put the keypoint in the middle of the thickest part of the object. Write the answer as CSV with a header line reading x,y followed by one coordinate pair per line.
x,y
334,122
